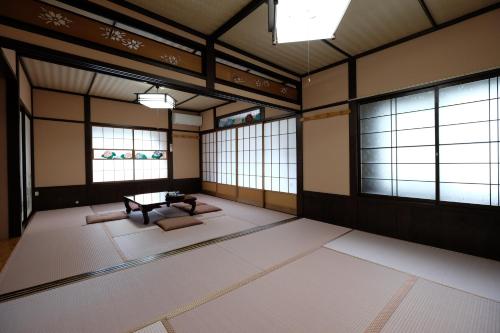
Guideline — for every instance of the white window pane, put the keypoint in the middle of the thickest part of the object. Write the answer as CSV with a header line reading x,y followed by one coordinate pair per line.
x,y
376,109
283,126
283,170
97,143
267,142
415,102
380,171
378,155
465,153
292,125
292,171
421,190
475,132
267,129
464,113
291,141
283,185
275,143
417,137
292,156
463,93
267,183
465,173
415,155
97,132
258,129
276,184
292,186
275,128
375,186
379,124
415,119
465,193
283,155
275,156
376,140
267,169
422,172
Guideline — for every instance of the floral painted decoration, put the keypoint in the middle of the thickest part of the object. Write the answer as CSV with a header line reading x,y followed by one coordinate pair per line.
x,y
51,17
109,155
113,34
126,156
170,59
140,156
132,44
157,155
284,91
237,79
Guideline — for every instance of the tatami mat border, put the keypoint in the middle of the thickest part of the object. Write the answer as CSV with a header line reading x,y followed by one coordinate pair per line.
x,y
133,263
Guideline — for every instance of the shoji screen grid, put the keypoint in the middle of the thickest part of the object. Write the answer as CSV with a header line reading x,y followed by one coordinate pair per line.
x,y
250,156
226,157
398,146
209,163
280,156
469,142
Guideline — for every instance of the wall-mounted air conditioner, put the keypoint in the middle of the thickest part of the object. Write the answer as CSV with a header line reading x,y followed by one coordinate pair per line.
x,y
186,119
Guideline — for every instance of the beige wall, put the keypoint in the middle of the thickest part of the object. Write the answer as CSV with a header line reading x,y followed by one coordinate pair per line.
x,y
10,57
326,153
59,149
128,114
4,189
464,48
208,120
326,87
24,89
186,155
233,107
57,105
276,113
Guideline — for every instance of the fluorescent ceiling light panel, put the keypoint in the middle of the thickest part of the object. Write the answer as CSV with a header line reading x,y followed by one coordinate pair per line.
x,y
156,101
302,20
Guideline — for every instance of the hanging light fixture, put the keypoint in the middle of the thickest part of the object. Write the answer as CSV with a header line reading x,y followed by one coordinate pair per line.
x,y
299,20
156,100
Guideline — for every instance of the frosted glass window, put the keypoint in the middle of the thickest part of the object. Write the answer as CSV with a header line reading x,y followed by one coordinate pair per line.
x,y
469,142
398,146
121,154
209,166
280,156
250,156
226,157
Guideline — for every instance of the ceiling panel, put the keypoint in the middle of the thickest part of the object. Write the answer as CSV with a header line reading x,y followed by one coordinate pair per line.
x,y
252,36
201,103
179,96
368,24
52,76
116,87
446,10
202,15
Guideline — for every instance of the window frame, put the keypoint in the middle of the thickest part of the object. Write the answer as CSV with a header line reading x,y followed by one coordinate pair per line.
x,y
133,128
436,87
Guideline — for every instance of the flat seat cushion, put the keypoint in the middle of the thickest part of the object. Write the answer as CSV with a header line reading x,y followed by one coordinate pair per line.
x,y
178,222
201,209
111,216
186,206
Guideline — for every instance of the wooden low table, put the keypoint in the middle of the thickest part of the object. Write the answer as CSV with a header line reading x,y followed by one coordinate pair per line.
x,y
146,202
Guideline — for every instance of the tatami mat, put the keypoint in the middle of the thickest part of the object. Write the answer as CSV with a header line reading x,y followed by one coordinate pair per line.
x,y
109,207
50,220
155,241
476,275
249,213
126,300
47,256
430,307
266,248
321,292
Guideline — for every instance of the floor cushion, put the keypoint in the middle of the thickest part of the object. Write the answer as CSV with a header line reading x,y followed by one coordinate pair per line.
x,y
105,217
178,222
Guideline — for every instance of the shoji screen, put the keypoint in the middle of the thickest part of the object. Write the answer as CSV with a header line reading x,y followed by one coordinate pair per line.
x,y
250,156
150,154
398,146
469,142
226,157
209,167
280,156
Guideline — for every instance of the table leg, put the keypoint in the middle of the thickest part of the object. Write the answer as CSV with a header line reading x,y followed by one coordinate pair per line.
x,y
145,215
127,206
193,207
